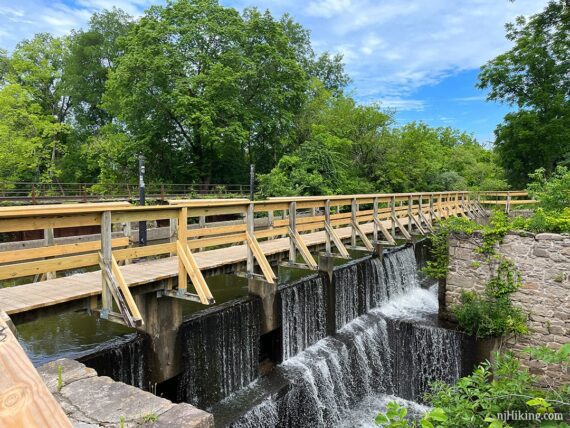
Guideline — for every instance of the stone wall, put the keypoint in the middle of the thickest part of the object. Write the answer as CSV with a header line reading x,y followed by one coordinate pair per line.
x,y
543,261
92,401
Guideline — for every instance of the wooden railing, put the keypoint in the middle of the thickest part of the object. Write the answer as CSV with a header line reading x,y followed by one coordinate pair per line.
x,y
386,214
506,198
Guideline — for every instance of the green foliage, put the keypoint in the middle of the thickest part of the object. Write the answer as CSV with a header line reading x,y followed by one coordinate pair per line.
x,y
477,400
485,316
535,76
59,377
549,355
552,192
437,267
150,418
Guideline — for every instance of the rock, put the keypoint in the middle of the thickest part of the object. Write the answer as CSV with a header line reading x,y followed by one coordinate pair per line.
x,y
71,371
548,237
184,416
106,401
539,252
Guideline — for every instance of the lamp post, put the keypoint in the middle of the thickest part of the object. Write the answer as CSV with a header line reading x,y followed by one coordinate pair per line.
x,y
142,224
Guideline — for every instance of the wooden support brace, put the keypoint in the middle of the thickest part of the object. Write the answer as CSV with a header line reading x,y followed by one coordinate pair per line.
x,y
425,220
124,288
261,259
305,253
397,222
193,271
337,241
418,224
115,288
363,237
385,232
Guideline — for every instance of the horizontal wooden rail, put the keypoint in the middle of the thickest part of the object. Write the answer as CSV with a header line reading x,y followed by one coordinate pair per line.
x,y
290,217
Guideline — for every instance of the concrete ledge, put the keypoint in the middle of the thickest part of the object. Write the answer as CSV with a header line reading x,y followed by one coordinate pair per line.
x,y
98,401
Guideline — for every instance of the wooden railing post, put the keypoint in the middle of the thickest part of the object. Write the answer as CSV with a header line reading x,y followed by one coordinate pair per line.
x,y
393,216
410,220
508,204
293,228
270,219
328,247
249,221
375,220
431,212
106,253
49,241
183,241
353,214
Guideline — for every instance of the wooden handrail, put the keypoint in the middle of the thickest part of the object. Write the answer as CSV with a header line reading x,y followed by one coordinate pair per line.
x,y
387,213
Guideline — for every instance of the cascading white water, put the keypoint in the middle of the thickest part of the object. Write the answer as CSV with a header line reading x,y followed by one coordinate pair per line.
x,y
366,284
344,379
303,314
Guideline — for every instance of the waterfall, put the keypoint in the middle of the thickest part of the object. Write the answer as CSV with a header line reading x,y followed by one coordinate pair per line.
x,y
373,359
367,283
303,314
122,360
220,351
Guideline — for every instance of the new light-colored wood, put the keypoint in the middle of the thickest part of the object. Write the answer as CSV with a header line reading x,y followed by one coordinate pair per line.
x,y
193,271
305,253
261,259
45,222
126,292
19,270
337,241
25,401
57,250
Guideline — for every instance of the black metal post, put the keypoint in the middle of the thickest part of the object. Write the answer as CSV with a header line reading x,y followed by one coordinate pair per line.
x,y
251,181
142,224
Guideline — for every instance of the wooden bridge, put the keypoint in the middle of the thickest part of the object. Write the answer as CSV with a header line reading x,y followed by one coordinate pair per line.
x,y
258,232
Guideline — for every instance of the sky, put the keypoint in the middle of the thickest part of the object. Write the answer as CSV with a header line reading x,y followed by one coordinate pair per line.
x,y
419,58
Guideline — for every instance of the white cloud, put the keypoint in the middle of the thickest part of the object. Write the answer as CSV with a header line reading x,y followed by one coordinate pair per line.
x,y
400,104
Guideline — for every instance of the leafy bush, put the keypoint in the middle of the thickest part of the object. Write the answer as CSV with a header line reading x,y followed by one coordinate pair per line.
x,y
553,193
484,316
478,399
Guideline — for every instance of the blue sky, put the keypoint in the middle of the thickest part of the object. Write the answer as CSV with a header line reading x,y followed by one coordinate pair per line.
x,y
419,57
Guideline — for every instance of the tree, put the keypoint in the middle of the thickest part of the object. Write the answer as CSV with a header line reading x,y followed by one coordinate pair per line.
x,y
33,83
534,75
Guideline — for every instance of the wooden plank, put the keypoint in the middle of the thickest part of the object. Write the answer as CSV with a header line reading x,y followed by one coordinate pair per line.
x,y
126,292
51,265
305,253
261,259
24,397
57,250
45,222
181,242
191,267
337,241
385,232
111,283
214,242
147,251
401,227
59,209
363,236
217,230
148,214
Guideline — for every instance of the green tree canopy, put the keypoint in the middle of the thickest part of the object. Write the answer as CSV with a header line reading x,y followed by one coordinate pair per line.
x,y
533,75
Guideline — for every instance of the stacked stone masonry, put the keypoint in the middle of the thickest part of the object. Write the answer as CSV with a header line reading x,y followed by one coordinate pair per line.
x,y
92,401
543,260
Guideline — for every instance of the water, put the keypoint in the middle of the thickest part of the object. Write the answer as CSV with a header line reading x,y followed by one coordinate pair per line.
x,y
365,284
303,314
391,352
122,360
220,352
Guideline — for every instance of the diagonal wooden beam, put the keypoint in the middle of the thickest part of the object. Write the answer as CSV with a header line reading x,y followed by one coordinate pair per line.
x,y
193,271
261,259
305,253
398,223
385,232
337,241
418,224
112,285
425,220
363,237
134,310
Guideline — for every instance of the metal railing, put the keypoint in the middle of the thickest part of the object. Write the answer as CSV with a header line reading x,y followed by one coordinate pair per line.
x,y
35,193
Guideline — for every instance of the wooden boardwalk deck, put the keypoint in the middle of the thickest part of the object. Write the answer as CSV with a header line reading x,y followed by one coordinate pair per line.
x,y
28,297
